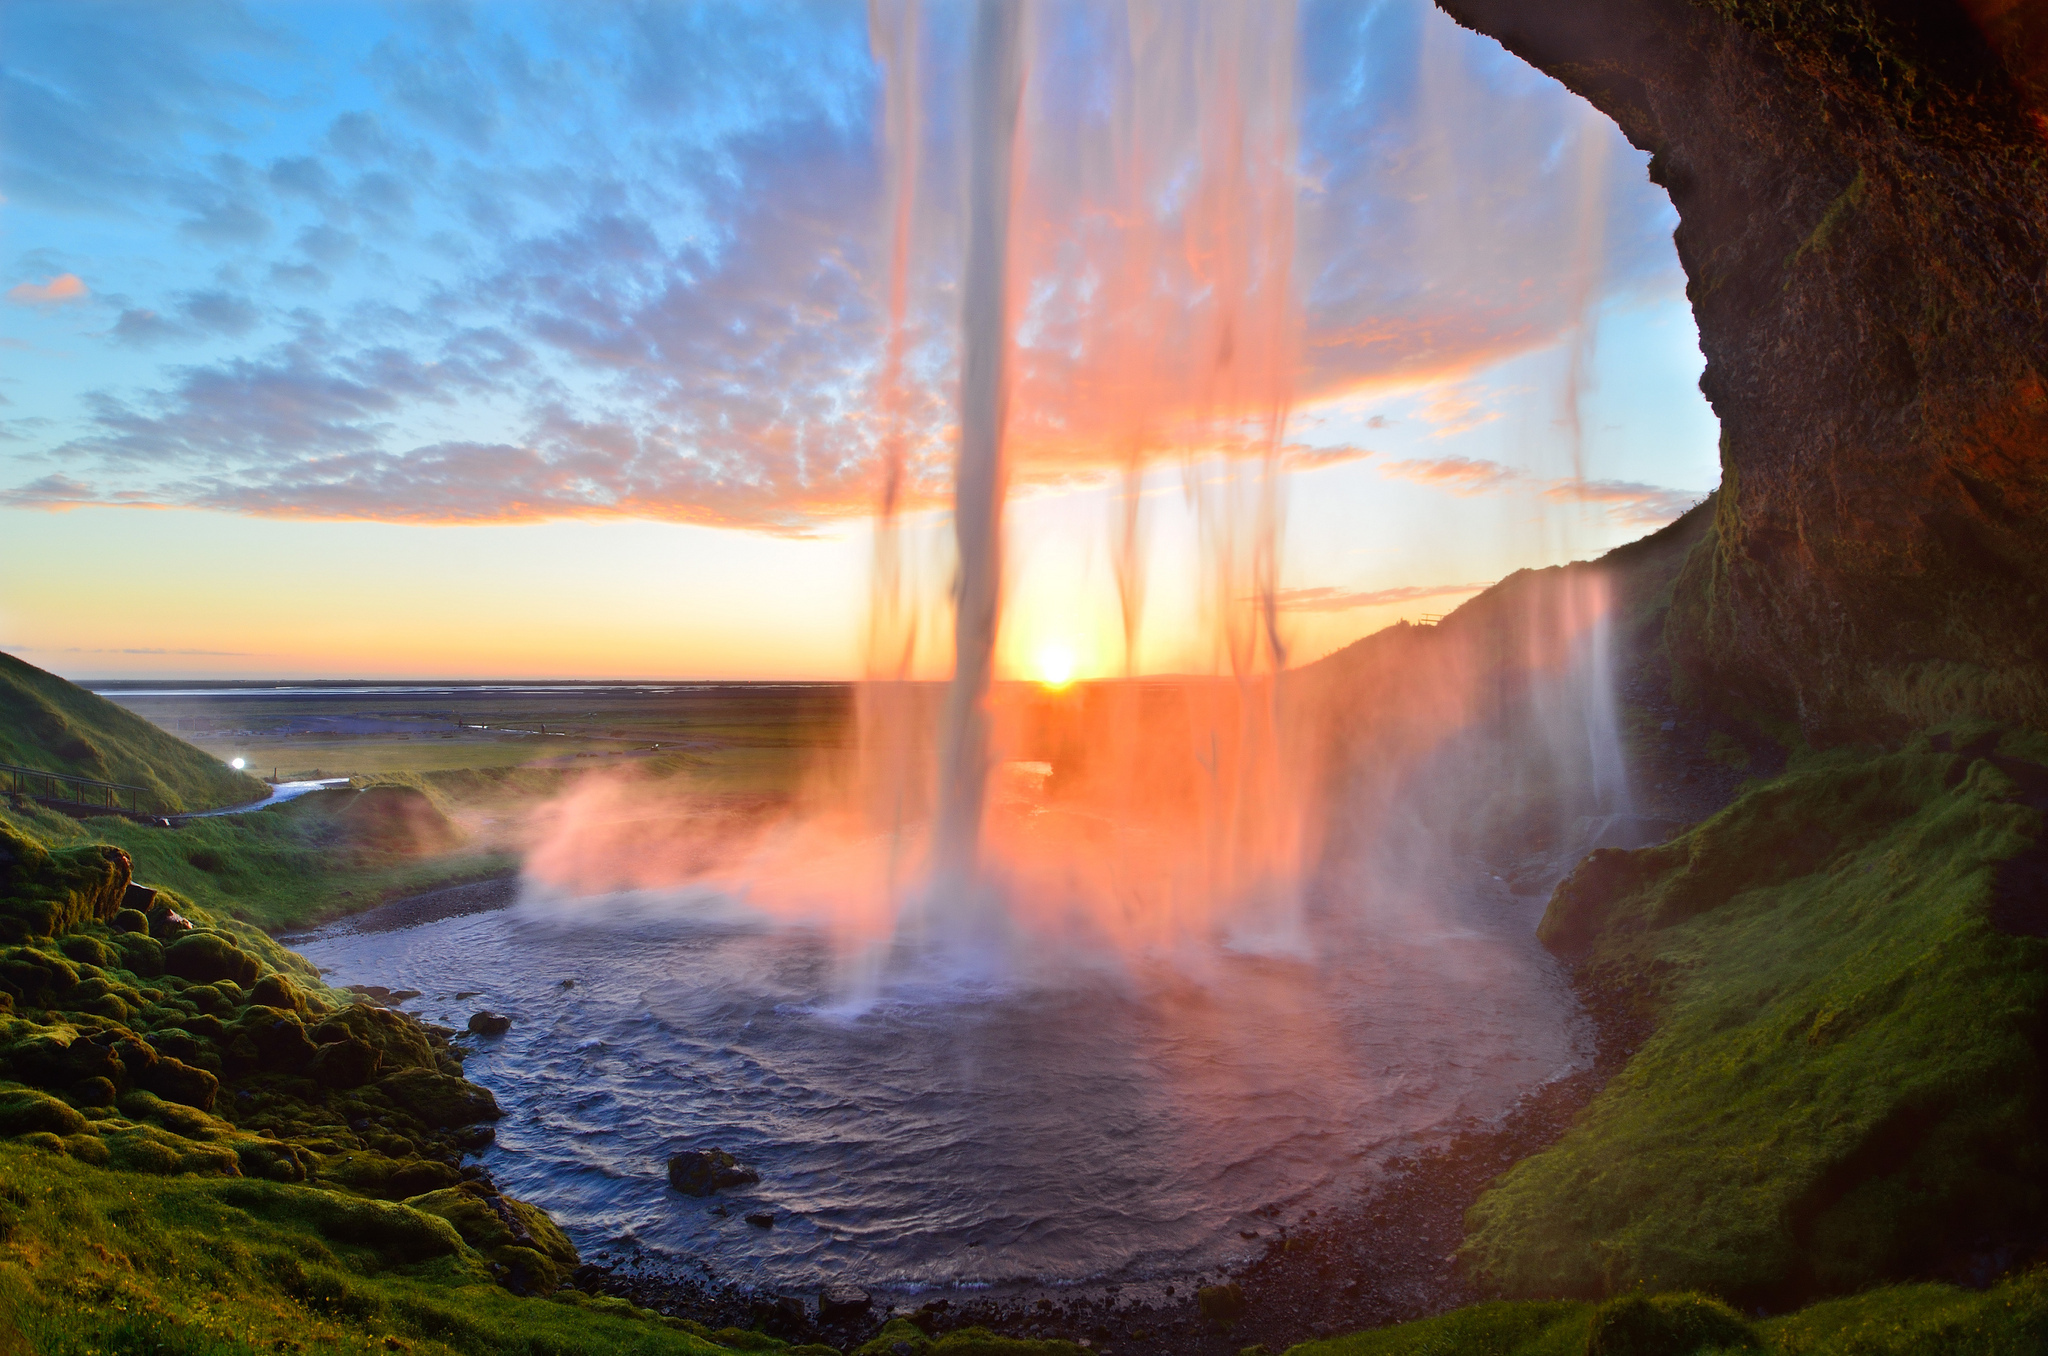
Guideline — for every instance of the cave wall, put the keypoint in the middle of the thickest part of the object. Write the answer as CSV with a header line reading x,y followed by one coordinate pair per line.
x,y
1862,187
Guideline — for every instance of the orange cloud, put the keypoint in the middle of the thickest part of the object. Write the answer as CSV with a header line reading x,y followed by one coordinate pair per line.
x,y
1329,599
58,290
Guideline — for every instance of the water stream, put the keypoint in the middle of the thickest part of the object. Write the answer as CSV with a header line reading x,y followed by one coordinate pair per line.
x,y
1099,1119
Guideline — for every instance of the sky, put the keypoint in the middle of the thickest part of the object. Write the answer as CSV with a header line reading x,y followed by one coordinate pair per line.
x,y
426,340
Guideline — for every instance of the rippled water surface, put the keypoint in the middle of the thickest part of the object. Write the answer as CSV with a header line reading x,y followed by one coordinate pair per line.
x,y
1104,1122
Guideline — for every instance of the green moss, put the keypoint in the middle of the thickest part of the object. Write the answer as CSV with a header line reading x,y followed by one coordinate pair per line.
x,y
93,1260
1911,1320
280,867
1844,1078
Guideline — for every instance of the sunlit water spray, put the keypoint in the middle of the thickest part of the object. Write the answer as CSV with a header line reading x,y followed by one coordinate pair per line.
x,y
1083,978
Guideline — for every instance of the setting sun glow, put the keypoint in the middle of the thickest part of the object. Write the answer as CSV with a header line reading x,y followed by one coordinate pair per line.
x,y
1056,666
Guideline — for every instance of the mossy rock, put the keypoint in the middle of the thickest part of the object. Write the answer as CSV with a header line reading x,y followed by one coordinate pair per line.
x,y
397,1178
36,976
176,1081
346,1063
399,1041
276,991
46,893
400,1234
25,1111
207,957
141,954
187,1122
437,1099
279,1039
527,1252
86,949
148,1149
1666,1325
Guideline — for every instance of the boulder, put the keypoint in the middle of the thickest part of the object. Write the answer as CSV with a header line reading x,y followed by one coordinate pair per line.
x,y
439,1100
141,954
205,957
528,1254
276,991
88,950
176,1081
699,1172
47,893
346,1063
488,1023
282,1045
166,923
92,1092
36,977
24,1111
402,1041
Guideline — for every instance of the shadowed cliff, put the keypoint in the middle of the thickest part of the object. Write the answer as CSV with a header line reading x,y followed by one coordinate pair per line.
x,y
1860,185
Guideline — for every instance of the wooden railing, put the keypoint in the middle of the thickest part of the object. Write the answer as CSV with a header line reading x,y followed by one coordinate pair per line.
x,y
62,787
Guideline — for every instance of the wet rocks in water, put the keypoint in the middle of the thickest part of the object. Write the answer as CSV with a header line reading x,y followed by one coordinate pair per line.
x,y
843,1304
488,1023
699,1172
762,1219
383,995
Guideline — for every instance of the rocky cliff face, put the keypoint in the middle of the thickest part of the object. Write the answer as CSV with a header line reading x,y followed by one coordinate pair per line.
x,y
1862,188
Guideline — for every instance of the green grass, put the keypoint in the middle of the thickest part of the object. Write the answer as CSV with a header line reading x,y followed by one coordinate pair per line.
x,y
55,726
98,1261
1906,1320
283,867
1844,1082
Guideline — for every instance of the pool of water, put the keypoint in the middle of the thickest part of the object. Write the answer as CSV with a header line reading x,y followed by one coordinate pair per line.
x,y
1099,1118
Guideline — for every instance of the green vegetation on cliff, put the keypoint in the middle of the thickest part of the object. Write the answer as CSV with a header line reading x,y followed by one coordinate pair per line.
x,y
55,726
1907,1320
289,865
1844,1080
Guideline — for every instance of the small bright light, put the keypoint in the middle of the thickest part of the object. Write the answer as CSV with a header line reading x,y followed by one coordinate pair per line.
x,y
236,765
1056,666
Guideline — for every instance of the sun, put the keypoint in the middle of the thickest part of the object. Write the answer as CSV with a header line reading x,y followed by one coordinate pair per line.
x,y
1055,666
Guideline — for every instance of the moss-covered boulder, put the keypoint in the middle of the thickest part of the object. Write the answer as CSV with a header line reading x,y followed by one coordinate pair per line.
x,y
524,1247
438,1099
25,1111
205,956
45,893
347,1063
1666,1325
176,1081
400,1042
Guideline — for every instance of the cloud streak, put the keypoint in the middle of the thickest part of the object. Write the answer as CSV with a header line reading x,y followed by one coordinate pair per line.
x,y
1332,599
64,288
1624,502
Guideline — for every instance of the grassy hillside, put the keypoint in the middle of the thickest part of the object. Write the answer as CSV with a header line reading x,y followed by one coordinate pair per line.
x,y
1907,1320
1849,983
55,726
292,865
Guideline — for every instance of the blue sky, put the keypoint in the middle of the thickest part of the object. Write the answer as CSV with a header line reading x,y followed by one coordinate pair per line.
x,y
464,283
